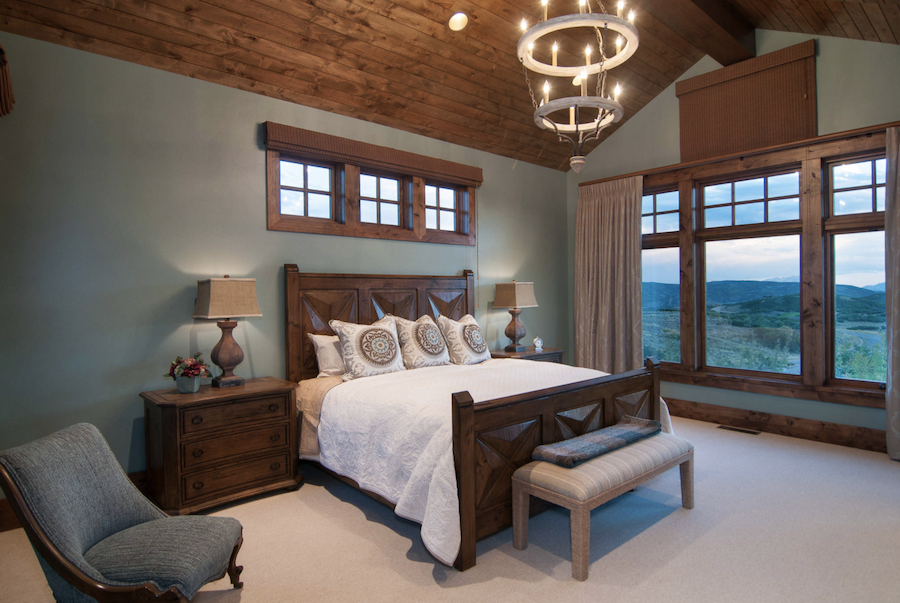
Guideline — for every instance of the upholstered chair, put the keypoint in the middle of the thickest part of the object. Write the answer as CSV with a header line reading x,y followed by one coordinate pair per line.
x,y
97,537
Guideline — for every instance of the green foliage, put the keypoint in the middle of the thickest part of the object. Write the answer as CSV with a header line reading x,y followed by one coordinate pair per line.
x,y
860,356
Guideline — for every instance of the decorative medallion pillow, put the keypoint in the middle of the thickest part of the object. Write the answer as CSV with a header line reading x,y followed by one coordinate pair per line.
x,y
368,349
421,343
328,354
464,339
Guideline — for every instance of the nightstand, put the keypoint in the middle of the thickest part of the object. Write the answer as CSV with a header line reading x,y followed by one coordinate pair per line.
x,y
545,355
220,445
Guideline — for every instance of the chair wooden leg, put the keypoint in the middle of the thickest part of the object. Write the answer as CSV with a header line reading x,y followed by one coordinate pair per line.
x,y
580,520
687,483
234,570
520,509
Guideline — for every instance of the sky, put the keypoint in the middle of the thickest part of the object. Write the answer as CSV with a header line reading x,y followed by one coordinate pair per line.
x,y
859,260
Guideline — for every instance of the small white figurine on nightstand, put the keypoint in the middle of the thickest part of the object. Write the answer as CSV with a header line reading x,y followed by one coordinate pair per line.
x,y
538,344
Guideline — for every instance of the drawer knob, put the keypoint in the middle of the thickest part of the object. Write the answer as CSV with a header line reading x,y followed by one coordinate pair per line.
x,y
275,437
198,453
198,485
197,420
273,407
275,466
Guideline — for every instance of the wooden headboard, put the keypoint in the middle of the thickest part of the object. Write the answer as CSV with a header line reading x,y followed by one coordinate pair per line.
x,y
311,300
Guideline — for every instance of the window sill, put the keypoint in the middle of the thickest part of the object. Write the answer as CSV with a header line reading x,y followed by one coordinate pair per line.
x,y
866,395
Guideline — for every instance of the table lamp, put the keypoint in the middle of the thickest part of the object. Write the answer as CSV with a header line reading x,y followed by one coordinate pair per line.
x,y
515,296
224,299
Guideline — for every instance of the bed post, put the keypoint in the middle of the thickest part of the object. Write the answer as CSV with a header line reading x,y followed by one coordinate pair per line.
x,y
464,461
654,410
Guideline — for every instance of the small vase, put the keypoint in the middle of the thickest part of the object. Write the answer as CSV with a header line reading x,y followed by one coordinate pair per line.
x,y
187,385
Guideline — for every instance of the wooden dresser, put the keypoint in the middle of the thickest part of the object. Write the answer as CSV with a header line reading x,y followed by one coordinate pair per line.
x,y
220,445
545,355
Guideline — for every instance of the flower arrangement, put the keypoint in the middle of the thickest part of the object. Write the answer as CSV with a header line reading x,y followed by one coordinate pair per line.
x,y
188,367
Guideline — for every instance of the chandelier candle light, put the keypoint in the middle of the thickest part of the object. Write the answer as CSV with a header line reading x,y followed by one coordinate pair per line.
x,y
587,114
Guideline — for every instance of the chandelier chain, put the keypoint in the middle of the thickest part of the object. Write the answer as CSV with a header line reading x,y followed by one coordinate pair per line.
x,y
530,90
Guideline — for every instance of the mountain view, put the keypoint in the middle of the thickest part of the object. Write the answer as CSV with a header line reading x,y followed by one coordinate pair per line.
x,y
756,325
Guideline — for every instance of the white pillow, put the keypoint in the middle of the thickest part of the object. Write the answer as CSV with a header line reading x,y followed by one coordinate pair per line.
x,y
368,349
421,343
328,354
465,340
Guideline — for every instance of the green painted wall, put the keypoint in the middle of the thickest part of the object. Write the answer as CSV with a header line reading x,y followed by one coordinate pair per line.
x,y
121,186
856,87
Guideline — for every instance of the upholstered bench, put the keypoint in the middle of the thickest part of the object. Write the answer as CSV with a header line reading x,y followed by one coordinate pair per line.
x,y
594,482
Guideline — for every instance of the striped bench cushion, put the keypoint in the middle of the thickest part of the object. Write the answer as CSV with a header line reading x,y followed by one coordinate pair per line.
x,y
605,472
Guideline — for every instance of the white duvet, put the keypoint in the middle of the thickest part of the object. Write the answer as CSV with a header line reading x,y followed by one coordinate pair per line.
x,y
392,434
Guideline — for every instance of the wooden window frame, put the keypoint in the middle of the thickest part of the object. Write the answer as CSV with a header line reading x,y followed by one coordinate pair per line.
x,y
812,157
348,158
333,193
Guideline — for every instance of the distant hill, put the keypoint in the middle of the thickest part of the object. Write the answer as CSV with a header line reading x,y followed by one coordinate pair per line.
x,y
661,296
878,287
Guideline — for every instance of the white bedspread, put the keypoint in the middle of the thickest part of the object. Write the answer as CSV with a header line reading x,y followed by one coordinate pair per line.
x,y
392,434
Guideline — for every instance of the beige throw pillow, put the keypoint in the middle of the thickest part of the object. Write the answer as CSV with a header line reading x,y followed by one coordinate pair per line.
x,y
464,339
368,349
421,343
328,354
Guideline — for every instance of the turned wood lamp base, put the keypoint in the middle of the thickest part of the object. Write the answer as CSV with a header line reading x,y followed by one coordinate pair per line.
x,y
515,330
227,355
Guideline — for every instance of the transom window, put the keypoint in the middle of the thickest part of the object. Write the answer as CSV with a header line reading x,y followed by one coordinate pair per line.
x,y
379,200
858,188
306,189
755,201
659,212
440,208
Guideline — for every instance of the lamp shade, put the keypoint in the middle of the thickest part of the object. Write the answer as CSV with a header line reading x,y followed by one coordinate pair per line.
x,y
226,298
515,295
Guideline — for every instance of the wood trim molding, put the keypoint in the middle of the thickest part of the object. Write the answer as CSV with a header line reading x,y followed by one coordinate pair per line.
x,y
863,438
325,147
8,520
683,171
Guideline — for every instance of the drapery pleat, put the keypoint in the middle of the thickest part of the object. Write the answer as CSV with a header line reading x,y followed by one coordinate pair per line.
x,y
892,290
608,276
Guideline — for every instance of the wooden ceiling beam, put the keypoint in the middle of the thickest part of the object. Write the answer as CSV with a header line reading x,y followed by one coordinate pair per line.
x,y
714,27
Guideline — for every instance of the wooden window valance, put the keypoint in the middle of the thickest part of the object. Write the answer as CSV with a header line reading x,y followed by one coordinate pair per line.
x,y
325,147
757,103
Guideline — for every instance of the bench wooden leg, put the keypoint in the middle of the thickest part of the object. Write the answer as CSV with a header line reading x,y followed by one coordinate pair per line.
x,y
687,483
580,520
520,507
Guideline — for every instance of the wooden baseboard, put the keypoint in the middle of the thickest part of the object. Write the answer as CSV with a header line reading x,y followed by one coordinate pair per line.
x,y
807,429
9,521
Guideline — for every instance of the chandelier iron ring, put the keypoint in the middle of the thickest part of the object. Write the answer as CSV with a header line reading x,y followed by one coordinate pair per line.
x,y
597,20
542,120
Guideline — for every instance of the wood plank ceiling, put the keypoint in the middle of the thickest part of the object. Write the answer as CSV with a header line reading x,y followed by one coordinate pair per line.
x,y
396,63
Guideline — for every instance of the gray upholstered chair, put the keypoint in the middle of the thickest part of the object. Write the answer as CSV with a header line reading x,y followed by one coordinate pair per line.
x,y
97,537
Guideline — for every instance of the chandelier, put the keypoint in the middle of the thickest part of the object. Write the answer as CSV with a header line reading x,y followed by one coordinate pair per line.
x,y
587,114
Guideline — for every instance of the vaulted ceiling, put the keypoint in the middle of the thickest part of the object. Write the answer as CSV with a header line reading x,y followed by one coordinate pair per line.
x,y
396,63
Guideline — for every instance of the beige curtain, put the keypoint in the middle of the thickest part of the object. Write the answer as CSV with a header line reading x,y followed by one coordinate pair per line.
x,y
608,276
892,268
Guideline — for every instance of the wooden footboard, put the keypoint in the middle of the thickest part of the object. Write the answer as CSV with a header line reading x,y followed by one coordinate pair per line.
x,y
492,439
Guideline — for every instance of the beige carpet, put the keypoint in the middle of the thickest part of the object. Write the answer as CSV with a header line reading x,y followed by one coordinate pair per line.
x,y
776,519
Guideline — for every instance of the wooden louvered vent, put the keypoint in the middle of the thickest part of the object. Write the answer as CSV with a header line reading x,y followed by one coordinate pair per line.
x,y
754,104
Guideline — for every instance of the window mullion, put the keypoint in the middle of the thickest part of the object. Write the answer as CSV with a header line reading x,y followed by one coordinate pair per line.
x,y
688,297
812,266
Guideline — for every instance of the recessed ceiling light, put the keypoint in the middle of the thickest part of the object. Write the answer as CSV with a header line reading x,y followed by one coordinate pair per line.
x,y
458,21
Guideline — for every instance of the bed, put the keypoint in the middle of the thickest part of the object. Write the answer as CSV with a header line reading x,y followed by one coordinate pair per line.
x,y
484,443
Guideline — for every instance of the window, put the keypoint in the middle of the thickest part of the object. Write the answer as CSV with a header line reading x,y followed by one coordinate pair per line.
x,y
305,189
753,304
860,322
659,213
379,200
316,183
777,261
859,187
754,201
660,303
440,208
